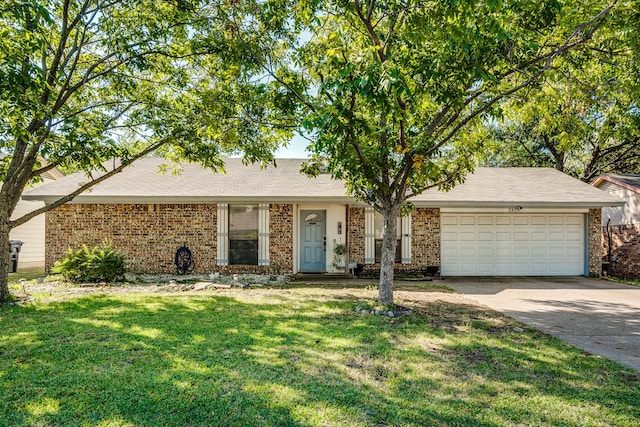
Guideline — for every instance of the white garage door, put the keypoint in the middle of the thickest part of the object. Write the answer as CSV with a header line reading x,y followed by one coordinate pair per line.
x,y
512,244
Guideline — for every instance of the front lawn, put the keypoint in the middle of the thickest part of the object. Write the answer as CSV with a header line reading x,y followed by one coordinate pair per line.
x,y
294,357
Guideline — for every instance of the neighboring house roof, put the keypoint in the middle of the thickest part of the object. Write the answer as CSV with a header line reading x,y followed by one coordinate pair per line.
x,y
51,174
629,181
487,187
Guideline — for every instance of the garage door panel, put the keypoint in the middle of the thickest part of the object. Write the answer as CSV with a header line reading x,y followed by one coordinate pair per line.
x,y
502,252
485,220
467,220
521,252
449,220
556,220
450,253
449,236
486,252
467,268
519,244
557,252
574,252
538,236
539,220
502,269
486,236
538,268
574,220
485,269
503,236
468,252
521,268
539,252
556,236
520,220
521,236
574,236
503,220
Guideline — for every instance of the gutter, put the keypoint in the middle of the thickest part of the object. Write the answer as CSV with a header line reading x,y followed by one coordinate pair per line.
x,y
510,205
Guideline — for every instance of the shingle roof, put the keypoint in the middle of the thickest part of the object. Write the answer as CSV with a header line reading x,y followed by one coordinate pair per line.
x,y
142,181
628,180
533,187
489,187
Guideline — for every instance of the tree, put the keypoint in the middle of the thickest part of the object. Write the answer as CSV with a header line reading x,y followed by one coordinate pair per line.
x,y
85,81
390,88
583,118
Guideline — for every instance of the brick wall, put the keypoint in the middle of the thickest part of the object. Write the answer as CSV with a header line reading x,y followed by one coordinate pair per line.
x,y
594,241
425,240
625,245
281,237
150,234
356,235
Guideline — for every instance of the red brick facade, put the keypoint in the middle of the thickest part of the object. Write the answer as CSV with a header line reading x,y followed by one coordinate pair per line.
x,y
149,235
281,238
356,235
594,239
625,247
425,240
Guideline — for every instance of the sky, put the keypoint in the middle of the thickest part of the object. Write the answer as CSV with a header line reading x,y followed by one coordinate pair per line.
x,y
295,149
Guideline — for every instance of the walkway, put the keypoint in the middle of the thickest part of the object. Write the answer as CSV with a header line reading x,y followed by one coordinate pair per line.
x,y
598,316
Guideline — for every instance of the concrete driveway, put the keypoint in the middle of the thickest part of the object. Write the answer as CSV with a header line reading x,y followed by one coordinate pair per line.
x,y
598,316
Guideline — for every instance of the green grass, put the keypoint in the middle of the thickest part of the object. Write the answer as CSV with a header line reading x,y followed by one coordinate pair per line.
x,y
298,357
632,282
28,275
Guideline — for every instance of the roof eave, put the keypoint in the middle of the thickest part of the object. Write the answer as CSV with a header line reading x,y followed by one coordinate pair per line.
x,y
87,199
602,178
517,204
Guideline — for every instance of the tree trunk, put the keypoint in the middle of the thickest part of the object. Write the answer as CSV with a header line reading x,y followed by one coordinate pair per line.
x,y
388,255
4,259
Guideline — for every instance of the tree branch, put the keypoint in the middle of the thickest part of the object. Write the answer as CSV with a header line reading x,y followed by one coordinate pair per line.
x,y
84,187
594,23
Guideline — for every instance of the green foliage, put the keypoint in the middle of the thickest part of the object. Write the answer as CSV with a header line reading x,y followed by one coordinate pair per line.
x,y
584,117
392,90
96,264
400,83
85,82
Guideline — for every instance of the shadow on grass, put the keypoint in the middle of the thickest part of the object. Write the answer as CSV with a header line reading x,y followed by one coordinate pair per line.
x,y
219,360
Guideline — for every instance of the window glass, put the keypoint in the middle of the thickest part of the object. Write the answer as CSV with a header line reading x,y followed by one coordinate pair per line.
x,y
243,234
378,224
312,218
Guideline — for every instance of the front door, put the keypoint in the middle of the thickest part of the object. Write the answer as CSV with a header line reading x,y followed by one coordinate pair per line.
x,y
313,243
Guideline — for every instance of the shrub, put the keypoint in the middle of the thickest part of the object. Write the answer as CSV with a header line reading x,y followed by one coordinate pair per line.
x,y
100,263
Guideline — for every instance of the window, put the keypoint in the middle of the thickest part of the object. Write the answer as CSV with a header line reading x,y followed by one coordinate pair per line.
x,y
378,223
243,234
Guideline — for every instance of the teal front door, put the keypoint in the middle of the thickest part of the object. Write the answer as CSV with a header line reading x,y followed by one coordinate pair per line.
x,y
313,243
